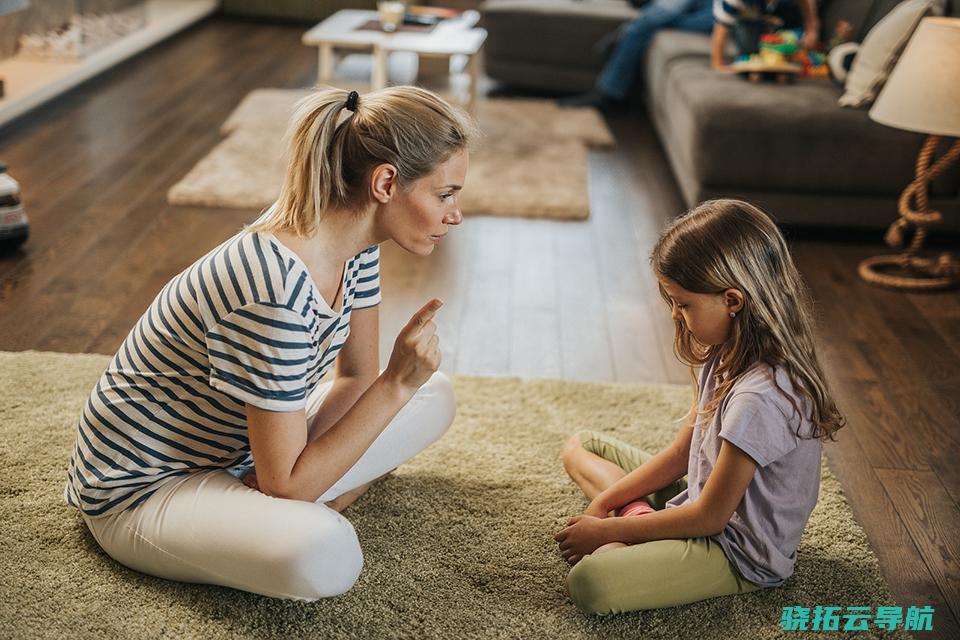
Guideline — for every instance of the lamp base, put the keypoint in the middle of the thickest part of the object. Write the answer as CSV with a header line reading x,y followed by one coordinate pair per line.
x,y
912,273
909,270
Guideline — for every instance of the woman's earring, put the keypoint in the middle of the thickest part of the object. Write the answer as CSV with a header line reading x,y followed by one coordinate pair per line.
x,y
733,314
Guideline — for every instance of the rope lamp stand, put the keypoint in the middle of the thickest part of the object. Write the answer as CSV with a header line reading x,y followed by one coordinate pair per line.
x,y
909,270
921,95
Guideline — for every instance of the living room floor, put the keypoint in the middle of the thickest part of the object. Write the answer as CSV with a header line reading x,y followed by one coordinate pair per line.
x,y
526,298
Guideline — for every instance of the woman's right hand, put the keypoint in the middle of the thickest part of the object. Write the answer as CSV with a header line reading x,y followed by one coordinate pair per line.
x,y
416,352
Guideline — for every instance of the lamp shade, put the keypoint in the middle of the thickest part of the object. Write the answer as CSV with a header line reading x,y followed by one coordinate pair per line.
x,y
923,92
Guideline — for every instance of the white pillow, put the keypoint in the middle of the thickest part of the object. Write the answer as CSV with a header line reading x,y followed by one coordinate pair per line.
x,y
881,48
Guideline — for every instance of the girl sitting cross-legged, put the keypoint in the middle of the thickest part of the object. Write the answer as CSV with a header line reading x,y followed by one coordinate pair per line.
x,y
749,447
224,368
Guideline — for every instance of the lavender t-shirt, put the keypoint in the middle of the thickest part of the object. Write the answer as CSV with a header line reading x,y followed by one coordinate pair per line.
x,y
762,536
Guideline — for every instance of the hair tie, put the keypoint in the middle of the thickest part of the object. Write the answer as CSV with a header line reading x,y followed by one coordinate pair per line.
x,y
352,101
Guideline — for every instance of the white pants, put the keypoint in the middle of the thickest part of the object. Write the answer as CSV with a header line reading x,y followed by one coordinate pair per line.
x,y
210,528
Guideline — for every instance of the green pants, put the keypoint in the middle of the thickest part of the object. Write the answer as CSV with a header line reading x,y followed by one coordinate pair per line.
x,y
662,573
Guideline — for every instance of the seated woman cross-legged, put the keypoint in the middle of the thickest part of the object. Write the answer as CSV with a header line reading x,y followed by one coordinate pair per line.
x,y
223,370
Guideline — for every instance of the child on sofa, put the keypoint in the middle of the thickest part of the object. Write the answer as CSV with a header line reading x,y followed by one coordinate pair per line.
x,y
620,69
750,445
747,20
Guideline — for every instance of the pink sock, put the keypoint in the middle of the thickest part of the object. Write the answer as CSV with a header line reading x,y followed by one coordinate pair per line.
x,y
635,508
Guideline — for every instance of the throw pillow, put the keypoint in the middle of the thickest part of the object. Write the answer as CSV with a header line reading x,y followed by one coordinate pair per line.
x,y
881,48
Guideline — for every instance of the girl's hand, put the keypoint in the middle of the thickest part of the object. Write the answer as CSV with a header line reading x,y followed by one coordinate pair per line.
x,y
416,352
811,37
582,536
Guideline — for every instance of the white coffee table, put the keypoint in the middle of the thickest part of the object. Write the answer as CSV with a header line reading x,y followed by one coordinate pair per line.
x,y
454,36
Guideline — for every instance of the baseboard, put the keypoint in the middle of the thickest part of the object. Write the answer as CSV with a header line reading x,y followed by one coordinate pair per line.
x,y
30,83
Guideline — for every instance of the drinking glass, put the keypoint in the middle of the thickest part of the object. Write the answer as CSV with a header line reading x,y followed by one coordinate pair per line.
x,y
391,14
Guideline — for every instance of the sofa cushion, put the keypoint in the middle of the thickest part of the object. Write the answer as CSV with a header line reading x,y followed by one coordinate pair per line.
x,y
731,132
558,33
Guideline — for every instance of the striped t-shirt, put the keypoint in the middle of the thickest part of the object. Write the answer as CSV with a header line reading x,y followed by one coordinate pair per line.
x,y
243,324
730,12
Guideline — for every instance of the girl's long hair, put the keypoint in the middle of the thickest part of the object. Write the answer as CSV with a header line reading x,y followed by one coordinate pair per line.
x,y
332,150
730,244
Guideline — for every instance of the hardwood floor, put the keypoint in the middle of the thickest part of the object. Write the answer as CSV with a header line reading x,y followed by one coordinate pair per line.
x,y
527,298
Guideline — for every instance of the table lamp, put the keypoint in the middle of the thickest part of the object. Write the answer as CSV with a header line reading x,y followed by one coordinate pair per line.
x,y
922,95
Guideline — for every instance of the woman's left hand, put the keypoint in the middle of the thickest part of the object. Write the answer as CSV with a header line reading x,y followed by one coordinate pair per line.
x,y
582,537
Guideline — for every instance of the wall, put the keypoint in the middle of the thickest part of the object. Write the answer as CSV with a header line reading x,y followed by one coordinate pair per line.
x,y
45,15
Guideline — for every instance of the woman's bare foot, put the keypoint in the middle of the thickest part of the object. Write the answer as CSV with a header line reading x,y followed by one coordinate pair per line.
x,y
341,502
337,504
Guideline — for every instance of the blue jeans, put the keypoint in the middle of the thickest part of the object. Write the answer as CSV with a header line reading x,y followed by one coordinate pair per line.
x,y
683,15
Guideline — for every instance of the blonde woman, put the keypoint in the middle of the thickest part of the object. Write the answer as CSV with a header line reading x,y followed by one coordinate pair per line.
x,y
749,447
224,368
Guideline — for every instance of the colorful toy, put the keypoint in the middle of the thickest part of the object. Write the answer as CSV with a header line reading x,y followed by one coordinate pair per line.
x,y
779,46
814,64
781,58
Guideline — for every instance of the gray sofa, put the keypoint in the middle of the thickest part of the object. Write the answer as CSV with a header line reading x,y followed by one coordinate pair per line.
x,y
790,148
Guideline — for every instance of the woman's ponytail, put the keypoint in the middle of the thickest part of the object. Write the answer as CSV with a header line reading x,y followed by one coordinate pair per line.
x,y
314,176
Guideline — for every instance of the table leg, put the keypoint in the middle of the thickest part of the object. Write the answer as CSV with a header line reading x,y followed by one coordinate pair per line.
x,y
378,79
431,67
473,66
325,64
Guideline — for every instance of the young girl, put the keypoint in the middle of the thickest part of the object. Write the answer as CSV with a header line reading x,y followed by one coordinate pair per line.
x,y
749,446
226,364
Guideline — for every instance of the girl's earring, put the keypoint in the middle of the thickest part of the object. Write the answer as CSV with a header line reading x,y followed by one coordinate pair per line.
x,y
733,314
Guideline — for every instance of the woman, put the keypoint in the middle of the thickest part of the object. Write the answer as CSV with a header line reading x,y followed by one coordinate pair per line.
x,y
226,364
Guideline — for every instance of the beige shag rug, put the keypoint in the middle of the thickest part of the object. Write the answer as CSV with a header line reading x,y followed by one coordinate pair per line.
x,y
531,160
457,542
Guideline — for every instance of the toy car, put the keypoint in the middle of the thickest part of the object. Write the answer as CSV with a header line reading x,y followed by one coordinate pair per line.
x,y
14,228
